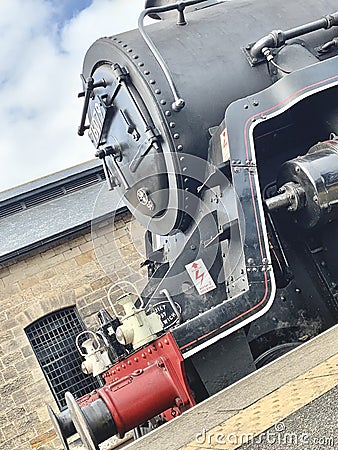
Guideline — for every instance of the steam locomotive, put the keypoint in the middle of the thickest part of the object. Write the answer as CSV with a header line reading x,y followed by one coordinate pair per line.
x,y
218,126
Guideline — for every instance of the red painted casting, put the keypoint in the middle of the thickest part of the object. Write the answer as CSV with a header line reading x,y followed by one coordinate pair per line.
x,y
146,384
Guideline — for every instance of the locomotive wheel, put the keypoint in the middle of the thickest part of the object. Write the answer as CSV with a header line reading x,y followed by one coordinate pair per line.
x,y
58,428
274,353
80,423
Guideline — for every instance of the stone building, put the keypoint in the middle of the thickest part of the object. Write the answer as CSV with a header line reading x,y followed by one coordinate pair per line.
x,y
65,239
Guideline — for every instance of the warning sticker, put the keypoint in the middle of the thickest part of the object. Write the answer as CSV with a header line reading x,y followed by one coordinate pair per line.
x,y
225,145
200,276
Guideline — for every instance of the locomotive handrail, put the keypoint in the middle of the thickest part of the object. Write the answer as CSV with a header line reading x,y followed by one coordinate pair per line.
x,y
179,102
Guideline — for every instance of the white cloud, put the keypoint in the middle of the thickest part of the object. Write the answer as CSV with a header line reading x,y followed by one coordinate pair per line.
x,y
39,80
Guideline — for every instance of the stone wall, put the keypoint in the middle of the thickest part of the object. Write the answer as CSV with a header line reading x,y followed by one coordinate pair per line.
x,y
77,271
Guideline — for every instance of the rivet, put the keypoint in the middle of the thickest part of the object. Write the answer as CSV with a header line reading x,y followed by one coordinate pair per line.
x,y
140,64
143,355
172,124
123,366
160,344
157,91
166,341
129,50
119,42
149,351
168,113
176,136
246,106
180,148
146,72
125,45
136,359
114,39
152,81
163,102
129,363
135,57
255,103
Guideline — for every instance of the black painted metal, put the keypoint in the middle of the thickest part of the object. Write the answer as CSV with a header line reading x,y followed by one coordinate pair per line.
x,y
219,372
196,57
273,270
93,422
63,425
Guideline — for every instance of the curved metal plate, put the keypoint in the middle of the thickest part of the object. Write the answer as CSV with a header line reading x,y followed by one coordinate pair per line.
x,y
80,423
57,427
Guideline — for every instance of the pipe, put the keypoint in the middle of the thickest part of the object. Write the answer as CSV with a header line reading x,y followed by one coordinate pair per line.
x,y
277,38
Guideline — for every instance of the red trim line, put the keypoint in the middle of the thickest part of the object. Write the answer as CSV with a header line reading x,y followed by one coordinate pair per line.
x,y
278,105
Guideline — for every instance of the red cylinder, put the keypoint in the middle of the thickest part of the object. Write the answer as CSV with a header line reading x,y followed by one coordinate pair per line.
x,y
142,395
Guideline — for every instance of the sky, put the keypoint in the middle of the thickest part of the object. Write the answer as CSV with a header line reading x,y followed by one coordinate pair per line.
x,y
43,43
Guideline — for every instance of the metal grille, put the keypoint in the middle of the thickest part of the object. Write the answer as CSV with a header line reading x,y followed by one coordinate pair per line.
x,y
53,340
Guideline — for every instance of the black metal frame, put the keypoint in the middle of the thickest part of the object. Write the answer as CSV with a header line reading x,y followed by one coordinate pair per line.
x,y
52,338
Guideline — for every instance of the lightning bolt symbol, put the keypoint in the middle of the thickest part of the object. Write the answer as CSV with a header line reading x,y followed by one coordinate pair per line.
x,y
198,276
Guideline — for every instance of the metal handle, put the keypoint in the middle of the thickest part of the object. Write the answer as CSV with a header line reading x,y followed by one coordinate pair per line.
x,y
95,340
172,304
128,283
90,86
178,103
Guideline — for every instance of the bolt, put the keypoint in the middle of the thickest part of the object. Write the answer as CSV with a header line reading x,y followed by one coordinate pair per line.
x,y
178,402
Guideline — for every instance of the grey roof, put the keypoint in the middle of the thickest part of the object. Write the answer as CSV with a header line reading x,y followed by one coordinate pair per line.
x,y
42,183
53,207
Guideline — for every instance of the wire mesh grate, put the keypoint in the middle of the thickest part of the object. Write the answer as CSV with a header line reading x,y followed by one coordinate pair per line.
x,y
52,338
